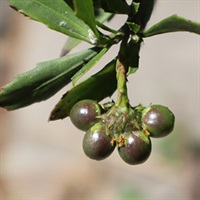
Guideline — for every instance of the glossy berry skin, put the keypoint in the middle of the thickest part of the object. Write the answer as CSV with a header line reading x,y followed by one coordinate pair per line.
x,y
137,147
84,114
158,120
96,144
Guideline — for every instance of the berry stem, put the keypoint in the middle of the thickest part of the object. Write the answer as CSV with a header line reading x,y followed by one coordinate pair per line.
x,y
122,99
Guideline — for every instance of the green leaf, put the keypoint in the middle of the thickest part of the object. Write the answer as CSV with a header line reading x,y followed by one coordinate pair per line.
x,y
72,42
133,26
133,55
97,87
104,16
135,7
118,6
145,11
106,28
57,15
69,45
70,3
129,54
43,81
85,11
172,24
88,66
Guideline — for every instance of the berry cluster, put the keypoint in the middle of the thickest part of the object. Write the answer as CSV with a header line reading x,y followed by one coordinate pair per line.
x,y
127,128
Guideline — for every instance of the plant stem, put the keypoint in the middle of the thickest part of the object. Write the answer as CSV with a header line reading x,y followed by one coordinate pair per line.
x,y
122,99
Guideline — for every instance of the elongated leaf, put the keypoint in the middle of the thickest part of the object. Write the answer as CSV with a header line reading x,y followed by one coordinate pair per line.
x,y
72,42
69,45
133,58
145,11
85,11
172,24
88,66
57,15
104,16
129,54
43,81
97,87
106,28
116,6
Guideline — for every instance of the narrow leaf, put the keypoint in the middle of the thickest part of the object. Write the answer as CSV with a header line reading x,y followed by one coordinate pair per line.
x,y
73,42
172,24
57,15
133,56
145,11
85,11
43,81
88,66
104,16
118,6
69,45
97,87
106,28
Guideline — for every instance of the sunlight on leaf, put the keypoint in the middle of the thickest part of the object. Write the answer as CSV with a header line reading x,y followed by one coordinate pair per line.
x,y
85,11
57,15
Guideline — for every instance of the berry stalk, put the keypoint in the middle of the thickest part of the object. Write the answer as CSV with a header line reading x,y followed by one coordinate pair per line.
x,y
122,99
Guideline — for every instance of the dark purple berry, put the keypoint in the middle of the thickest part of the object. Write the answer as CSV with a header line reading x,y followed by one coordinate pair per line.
x,y
84,114
136,147
96,143
158,120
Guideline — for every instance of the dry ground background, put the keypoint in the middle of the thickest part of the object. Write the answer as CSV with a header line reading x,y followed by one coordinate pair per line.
x,y
43,160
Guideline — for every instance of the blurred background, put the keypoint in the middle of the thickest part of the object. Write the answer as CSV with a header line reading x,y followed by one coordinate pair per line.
x,y
41,160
